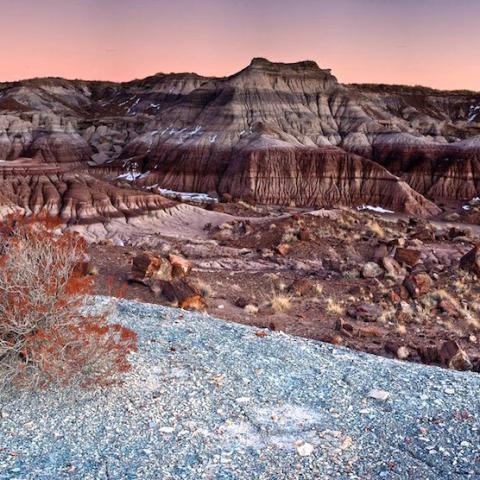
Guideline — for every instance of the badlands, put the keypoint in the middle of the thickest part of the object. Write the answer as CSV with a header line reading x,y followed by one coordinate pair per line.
x,y
276,197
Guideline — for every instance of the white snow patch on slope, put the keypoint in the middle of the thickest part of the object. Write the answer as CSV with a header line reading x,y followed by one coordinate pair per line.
x,y
374,209
187,196
473,113
129,111
129,177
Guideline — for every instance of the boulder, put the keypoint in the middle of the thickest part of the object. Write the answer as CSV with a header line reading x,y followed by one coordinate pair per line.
x,y
150,267
282,249
182,294
181,267
407,256
452,356
344,327
365,312
393,268
471,261
371,270
418,284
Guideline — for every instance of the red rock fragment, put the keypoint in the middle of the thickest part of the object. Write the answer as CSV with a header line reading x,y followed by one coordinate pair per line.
x,y
408,256
418,284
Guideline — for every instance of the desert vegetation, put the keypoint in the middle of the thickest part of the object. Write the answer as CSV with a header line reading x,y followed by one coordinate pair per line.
x,y
45,335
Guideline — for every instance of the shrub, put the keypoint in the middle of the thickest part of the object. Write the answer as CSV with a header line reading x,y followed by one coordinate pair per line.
x,y
45,336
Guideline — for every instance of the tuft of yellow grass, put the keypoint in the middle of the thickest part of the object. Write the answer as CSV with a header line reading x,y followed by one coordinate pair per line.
x,y
401,329
250,309
280,302
375,228
334,307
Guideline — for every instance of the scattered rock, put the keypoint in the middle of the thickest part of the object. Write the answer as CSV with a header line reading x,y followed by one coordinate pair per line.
x,y
471,261
344,327
304,235
451,355
365,312
393,268
181,267
407,256
241,302
369,331
371,270
304,449
447,307
418,284
282,249
150,267
378,394
403,353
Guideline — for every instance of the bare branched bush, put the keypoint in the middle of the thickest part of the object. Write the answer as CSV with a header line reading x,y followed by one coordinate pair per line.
x,y
45,336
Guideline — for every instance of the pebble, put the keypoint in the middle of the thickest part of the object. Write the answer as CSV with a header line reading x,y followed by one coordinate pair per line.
x,y
166,429
243,399
379,394
305,449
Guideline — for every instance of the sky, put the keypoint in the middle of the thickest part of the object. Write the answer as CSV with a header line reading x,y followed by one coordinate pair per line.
x,y
419,42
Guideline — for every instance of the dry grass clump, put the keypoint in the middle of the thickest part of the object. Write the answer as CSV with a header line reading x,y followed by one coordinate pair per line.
x,y
401,329
290,236
92,270
375,229
280,303
248,206
250,309
203,288
388,315
468,312
334,307
345,222
45,335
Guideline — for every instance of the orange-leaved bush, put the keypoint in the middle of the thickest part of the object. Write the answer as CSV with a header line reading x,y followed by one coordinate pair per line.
x,y
45,335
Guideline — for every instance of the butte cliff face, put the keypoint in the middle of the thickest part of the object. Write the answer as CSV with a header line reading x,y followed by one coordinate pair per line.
x,y
272,133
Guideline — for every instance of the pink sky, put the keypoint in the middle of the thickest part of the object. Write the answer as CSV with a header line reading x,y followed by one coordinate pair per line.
x,y
428,42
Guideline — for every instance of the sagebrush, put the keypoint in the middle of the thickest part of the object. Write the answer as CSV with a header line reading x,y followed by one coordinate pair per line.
x,y
45,335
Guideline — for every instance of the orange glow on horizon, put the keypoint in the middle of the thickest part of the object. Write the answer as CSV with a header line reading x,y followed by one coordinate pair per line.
x,y
425,42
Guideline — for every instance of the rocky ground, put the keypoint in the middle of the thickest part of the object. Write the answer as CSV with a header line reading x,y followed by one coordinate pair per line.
x,y
391,286
211,399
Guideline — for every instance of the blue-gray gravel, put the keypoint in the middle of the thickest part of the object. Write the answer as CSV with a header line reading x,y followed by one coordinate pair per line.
x,y
208,399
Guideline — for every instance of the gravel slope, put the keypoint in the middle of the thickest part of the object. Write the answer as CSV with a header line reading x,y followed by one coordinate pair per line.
x,y
212,400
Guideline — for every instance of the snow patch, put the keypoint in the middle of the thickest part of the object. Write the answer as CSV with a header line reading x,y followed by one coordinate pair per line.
x,y
186,196
473,113
473,202
129,177
129,111
374,209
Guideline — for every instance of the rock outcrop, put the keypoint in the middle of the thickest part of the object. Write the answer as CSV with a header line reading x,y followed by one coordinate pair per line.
x,y
75,197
